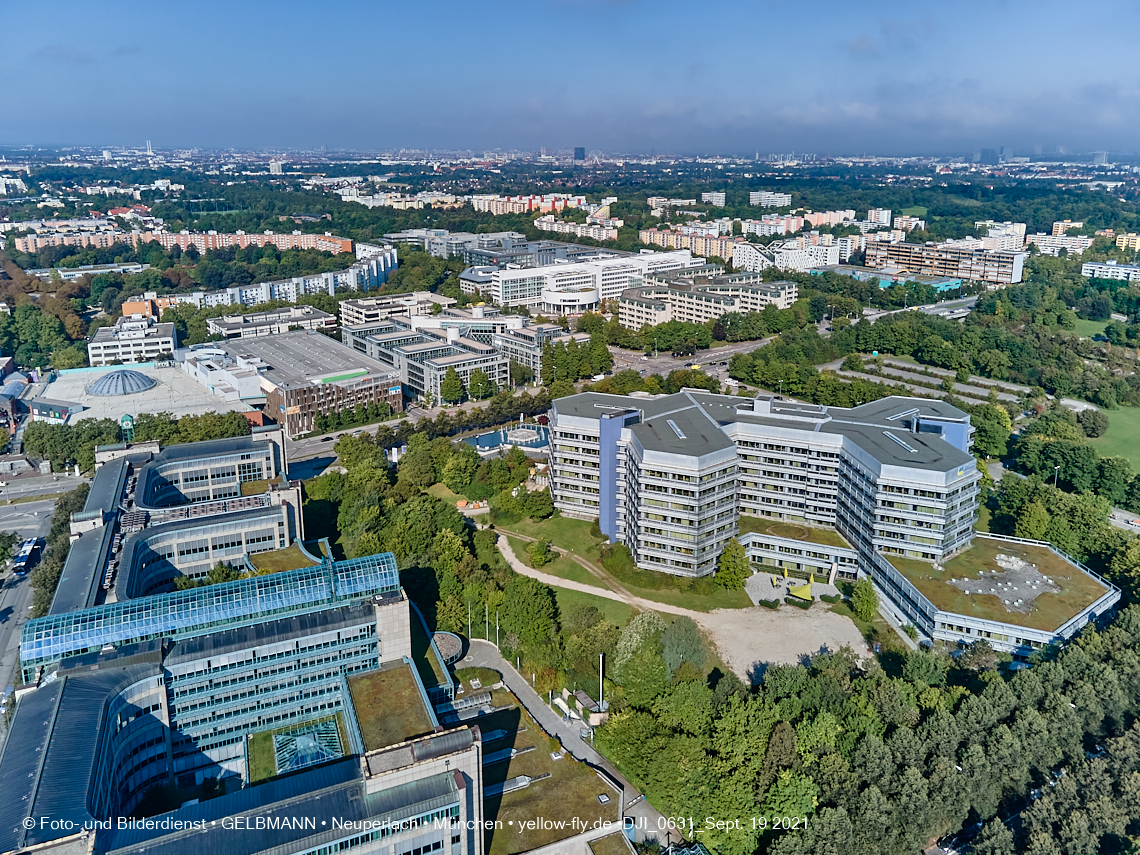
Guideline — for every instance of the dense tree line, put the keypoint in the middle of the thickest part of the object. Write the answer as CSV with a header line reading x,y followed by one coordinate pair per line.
x,y
69,444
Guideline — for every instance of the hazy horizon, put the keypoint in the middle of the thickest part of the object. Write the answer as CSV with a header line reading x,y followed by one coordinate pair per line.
x,y
724,78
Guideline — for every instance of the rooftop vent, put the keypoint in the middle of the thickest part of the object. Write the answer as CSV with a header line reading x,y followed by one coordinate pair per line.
x,y
676,429
903,443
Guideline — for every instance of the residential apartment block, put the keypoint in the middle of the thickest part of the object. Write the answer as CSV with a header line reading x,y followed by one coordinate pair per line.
x,y
605,230
499,205
1130,241
909,224
1062,226
693,238
768,199
700,294
1111,270
1053,244
132,339
893,481
997,267
798,255
828,218
367,310
879,216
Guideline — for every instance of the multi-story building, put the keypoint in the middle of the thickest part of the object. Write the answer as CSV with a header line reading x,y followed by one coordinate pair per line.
x,y
1062,227
1111,270
997,267
659,205
768,199
886,278
879,216
828,218
992,228
694,238
205,241
132,339
272,322
578,287
297,375
1131,241
125,689
70,274
1053,244
909,224
715,199
773,224
605,230
368,310
499,205
887,490
798,255
700,294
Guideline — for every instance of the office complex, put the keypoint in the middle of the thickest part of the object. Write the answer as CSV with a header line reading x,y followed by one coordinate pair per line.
x,y
1111,270
132,339
295,375
258,690
700,294
577,287
768,199
272,322
670,476
966,262
367,310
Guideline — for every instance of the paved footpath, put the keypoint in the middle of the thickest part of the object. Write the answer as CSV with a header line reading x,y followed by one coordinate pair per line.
x,y
484,654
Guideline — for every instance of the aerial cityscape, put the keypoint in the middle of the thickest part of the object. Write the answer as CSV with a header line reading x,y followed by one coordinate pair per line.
x,y
395,464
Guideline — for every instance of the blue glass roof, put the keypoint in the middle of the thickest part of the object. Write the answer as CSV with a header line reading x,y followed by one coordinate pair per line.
x,y
121,382
199,610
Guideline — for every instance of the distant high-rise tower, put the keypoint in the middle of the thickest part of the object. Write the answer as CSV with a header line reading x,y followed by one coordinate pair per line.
x,y
580,153
149,150
276,167
1100,158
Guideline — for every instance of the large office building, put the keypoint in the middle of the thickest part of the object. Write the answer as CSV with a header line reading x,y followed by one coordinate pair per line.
x,y
369,310
700,294
260,692
295,375
1053,244
132,339
577,287
253,324
768,199
888,489
966,262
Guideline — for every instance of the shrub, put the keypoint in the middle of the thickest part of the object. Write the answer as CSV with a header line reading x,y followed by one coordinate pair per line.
x,y
798,603
769,604
830,598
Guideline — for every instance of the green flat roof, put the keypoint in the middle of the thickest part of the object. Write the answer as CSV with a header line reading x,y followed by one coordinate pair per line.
x,y
1049,611
793,530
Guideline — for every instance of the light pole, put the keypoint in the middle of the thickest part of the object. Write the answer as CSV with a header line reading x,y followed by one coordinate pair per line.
x,y
1056,469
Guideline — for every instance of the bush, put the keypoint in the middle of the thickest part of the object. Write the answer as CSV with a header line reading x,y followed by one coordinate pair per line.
x,y
798,603
853,362
830,598
769,604
1094,422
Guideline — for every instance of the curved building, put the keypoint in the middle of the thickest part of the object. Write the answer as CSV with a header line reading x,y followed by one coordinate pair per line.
x,y
122,382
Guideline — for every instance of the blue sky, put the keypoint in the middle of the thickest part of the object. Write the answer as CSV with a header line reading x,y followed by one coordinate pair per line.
x,y
685,77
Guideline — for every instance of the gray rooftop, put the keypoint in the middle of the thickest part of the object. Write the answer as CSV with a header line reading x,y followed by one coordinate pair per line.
x,y
299,358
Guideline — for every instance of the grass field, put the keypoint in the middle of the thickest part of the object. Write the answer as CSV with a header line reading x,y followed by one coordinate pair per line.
x,y
569,534
280,560
1120,438
613,844
611,610
914,211
571,791
1049,610
792,530
1089,329
562,567
254,488
262,760
388,707
441,491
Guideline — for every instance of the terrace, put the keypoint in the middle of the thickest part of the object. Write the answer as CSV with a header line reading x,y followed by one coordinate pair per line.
x,y
792,531
1066,590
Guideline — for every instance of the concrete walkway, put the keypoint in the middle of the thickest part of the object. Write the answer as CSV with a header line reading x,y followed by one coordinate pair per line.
x,y
617,596
484,654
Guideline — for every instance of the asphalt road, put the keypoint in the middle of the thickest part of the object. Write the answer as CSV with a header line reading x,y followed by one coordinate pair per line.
x,y
16,488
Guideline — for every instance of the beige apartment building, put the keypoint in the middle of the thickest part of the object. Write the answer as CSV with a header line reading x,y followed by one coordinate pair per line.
x,y
701,297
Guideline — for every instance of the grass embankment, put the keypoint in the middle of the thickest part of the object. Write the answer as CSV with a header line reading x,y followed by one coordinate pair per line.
x,y
280,560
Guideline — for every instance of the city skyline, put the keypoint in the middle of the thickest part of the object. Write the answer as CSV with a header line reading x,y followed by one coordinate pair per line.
x,y
612,76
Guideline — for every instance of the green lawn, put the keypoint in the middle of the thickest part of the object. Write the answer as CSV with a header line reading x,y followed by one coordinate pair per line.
x,y
388,706
280,560
719,599
254,488
1120,439
569,534
1049,611
613,844
263,760
441,491
1089,329
562,567
612,610
792,530
571,791
914,211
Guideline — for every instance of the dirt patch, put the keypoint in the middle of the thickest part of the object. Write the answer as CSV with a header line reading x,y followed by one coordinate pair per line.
x,y
748,640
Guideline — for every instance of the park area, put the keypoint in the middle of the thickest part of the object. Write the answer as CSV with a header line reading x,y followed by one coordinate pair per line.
x,y
1120,438
963,585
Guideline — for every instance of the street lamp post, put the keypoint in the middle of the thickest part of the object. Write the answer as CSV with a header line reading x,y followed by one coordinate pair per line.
x,y
1056,469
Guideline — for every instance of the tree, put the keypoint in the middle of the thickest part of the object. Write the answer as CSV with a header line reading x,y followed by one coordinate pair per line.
x,y
540,553
1093,421
451,387
733,568
520,374
681,642
539,504
479,385
1032,521
864,600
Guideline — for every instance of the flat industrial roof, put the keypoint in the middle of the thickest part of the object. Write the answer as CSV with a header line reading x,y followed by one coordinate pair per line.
x,y
300,358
